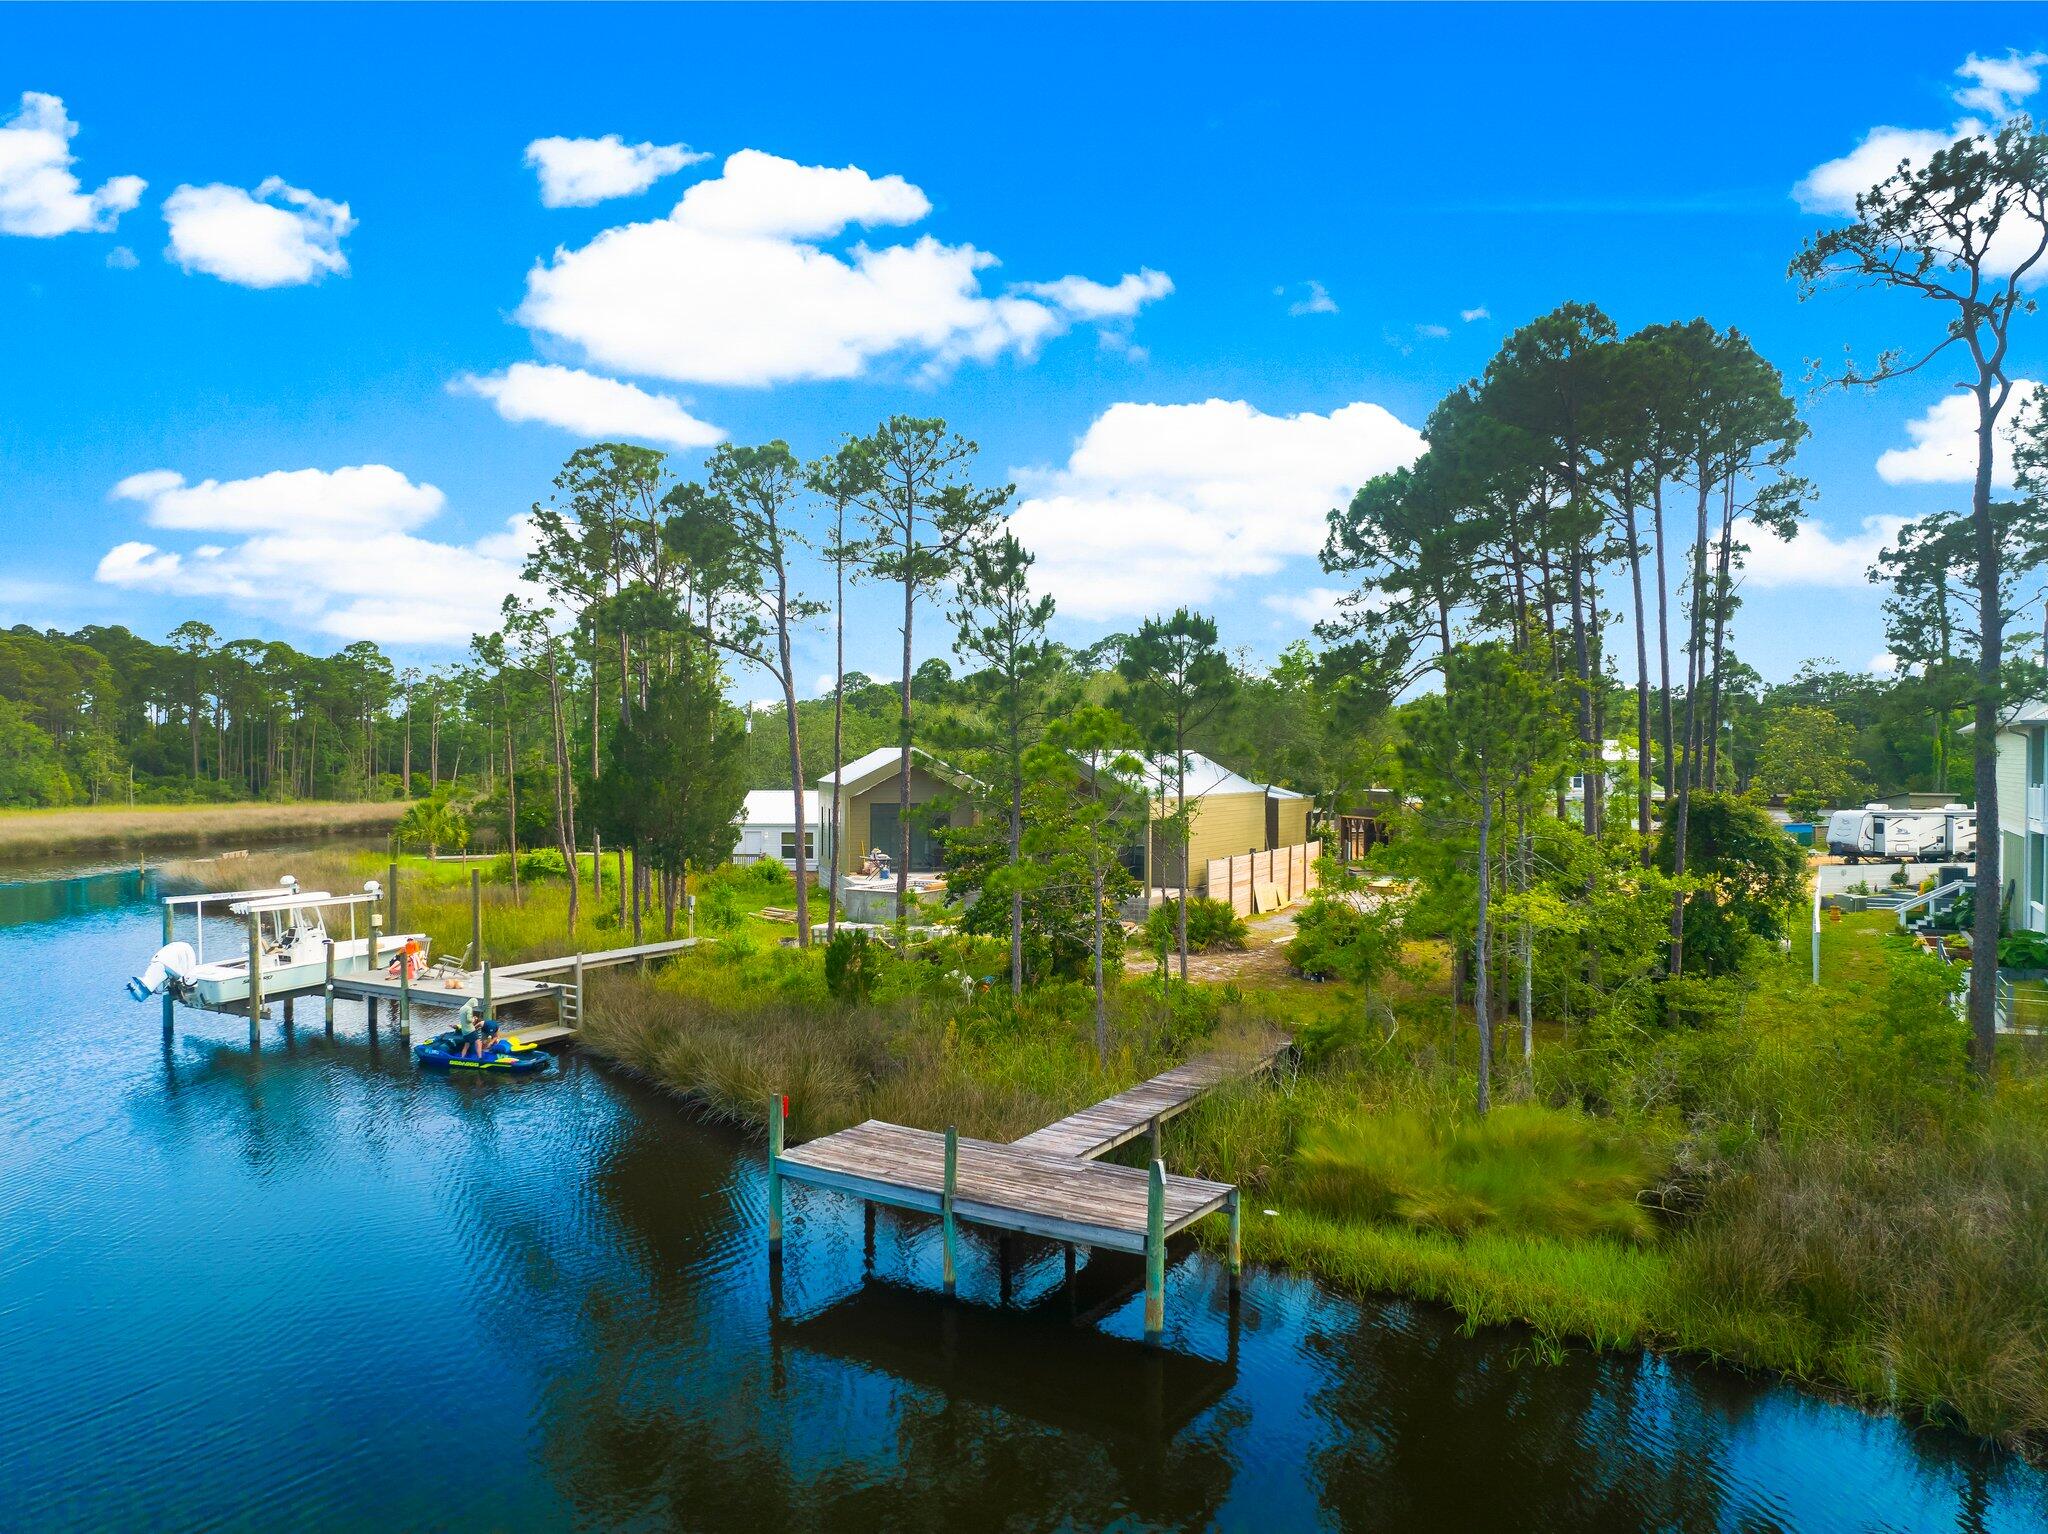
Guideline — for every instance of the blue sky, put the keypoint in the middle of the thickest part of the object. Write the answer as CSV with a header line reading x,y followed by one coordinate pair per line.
x,y
1318,219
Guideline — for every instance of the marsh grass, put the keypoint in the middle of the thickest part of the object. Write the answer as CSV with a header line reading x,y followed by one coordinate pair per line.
x,y
26,833
1523,1169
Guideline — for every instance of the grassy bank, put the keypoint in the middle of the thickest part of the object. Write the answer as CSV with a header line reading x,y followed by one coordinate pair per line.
x,y
1805,1180
1806,1183
34,833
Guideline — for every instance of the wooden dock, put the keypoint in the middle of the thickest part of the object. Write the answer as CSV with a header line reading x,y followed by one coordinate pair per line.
x,y
608,958
1038,1193
1048,1184
1121,1119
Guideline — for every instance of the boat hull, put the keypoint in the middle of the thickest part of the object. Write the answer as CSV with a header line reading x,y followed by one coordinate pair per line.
x,y
221,985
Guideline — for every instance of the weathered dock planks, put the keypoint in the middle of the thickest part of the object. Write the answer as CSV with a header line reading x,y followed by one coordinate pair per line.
x,y
1047,1184
1120,1119
1039,1193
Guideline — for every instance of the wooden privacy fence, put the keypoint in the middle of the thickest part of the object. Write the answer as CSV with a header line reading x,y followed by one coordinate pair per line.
x,y
1265,881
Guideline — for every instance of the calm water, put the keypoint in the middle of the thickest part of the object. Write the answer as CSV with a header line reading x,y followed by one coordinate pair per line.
x,y
306,1284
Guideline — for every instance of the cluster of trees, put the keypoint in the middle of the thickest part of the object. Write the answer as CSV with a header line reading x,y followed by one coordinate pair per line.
x,y
101,716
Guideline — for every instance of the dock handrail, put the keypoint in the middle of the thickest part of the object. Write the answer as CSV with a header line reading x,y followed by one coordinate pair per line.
x,y
1949,890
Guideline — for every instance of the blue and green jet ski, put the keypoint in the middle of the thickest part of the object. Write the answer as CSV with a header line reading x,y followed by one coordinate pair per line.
x,y
444,1052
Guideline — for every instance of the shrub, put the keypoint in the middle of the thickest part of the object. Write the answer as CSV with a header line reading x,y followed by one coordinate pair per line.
x,y
719,906
1522,1169
1212,924
2023,950
850,964
1335,939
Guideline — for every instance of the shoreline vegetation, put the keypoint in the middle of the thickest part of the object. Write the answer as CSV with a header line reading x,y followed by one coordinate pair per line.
x,y
109,828
1811,1184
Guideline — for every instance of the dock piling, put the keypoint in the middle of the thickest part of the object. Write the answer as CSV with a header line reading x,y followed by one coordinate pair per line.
x,y
1155,1253
950,1235
169,1025
327,990
255,974
488,1014
404,992
1236,1245
376,925
170,923
1158,1145
778,1110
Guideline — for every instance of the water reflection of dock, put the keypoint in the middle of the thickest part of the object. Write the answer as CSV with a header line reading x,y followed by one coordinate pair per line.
x,y
1010,1359
1048,1184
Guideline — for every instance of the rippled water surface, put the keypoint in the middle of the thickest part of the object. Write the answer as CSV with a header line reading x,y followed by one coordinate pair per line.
x,y
302,1284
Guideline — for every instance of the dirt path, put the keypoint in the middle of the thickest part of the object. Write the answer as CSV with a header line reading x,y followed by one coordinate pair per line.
x,y
1263,958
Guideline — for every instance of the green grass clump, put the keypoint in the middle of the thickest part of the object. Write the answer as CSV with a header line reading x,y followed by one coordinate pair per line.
x,y
1523,1169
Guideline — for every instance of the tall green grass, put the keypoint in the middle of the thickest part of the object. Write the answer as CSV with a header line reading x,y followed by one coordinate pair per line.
x,y
1524,1169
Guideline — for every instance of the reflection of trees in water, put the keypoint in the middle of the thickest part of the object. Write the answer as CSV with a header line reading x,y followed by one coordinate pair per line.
x,y
1433,1430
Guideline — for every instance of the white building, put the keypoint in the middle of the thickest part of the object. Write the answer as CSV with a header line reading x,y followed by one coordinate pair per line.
x,y
2023,817
767,827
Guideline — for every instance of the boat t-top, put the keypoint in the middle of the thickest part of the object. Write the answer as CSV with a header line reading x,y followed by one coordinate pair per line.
x,y
292,935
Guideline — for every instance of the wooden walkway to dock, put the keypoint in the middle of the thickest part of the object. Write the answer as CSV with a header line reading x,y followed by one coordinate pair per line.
x,y
1048,1184
1121,1119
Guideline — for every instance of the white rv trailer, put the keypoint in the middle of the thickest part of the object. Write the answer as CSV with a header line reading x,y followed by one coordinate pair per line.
x,y
1882,833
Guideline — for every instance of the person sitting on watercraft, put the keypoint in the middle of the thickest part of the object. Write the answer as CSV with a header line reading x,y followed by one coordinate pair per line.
x,y
488,1042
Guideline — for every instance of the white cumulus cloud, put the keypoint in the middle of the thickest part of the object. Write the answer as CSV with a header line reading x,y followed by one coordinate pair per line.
x,y
1998,86
1944,450
39,194
338,552
1480,313
589,405
1089,300
1315,299
735,285
1307,606
278,236
1170,503
578,172
367,498
1813,556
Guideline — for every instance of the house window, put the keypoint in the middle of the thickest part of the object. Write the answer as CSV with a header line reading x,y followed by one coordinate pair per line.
x,y
2035,752
2037,867
789,846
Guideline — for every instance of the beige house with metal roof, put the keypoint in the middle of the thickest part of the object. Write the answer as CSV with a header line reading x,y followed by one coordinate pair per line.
x,y
870,809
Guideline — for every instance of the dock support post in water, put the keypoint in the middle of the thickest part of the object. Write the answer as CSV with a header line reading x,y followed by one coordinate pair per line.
x,y
255,974
778,1109
169,1026
1236,1245
950,1235
327,991
404,992
1155,1252
170,921
476,915
867,1238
